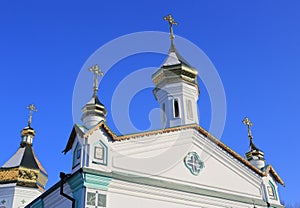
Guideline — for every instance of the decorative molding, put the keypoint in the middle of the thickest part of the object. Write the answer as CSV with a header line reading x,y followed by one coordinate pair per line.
x,y
96,181
193,162
152,182
7,175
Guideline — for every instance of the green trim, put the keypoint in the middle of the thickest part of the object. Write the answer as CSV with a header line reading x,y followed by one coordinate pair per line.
x,y
76,185
76,182
173,186
94,160
92,180
274,191
276,206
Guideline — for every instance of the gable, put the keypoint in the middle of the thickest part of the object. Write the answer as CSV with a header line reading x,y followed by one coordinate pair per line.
x,y
83,133
157,133
165,155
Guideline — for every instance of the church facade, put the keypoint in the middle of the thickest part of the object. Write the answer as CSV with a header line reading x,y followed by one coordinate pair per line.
x,y
183,166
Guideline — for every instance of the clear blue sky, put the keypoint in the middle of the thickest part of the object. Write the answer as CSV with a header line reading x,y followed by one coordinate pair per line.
x,y
254,46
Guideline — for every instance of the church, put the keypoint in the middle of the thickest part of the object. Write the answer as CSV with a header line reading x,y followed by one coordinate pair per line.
x,y
185,166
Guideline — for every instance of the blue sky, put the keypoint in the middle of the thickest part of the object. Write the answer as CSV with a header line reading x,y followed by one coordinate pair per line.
x,y
254,46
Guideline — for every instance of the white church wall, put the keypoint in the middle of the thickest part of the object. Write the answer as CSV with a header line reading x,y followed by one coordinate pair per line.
x,y
182,93
6,195
270,190
24,196
150,154
12,196
97,151
163,157
123,194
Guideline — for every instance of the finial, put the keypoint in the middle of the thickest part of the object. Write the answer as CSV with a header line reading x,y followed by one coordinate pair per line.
x,y
97,72
248,123
32,109
172,22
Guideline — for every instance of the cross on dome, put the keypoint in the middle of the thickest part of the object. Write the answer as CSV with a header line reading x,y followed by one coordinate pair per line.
x,y
32,109
172,22
97,72
248,123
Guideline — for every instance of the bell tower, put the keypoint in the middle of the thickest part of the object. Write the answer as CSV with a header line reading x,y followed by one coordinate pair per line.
x,y
176,87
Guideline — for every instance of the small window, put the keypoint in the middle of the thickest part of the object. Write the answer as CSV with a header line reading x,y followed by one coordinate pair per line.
x,y
163,113
176,109
271,191
78,153
95,199
99,153
91,199
101,200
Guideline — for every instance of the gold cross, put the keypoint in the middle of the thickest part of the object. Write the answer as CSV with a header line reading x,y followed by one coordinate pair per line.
x,y
248,123
97,72
172,22
32,109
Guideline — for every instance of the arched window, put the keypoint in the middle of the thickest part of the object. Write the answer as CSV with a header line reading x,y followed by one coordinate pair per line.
x,y
76,155
163,113
272,191
176,108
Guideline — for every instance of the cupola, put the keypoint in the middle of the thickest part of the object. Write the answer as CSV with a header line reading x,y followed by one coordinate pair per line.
x,y
176,87
254,155
94,111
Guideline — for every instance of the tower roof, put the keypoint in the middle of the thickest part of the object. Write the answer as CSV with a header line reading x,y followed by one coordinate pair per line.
x,y
174,58
94,108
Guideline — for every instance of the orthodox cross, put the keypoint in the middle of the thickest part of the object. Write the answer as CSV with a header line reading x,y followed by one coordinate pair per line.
x,y
248,123
172,22
97,72
32,109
